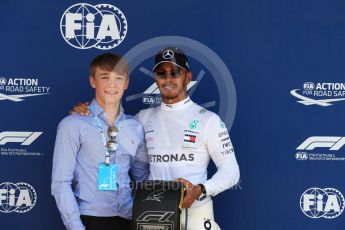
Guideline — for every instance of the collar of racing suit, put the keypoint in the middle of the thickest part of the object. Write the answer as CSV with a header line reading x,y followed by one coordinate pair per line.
x,y
176,106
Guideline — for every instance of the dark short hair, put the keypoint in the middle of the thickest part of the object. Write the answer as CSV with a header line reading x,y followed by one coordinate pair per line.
x,y
109,62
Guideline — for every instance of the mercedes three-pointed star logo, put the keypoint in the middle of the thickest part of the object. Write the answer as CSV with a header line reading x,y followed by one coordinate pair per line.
x,y
168,54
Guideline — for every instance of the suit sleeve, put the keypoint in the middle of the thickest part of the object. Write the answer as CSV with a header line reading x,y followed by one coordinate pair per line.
x,y
222,153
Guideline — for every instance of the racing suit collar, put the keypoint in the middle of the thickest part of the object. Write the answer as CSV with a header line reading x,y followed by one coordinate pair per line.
x,y
176,106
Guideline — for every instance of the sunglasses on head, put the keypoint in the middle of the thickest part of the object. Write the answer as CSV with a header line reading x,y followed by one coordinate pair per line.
x,y
112,144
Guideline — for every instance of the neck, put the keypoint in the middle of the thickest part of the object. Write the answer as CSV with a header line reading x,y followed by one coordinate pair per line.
x,y
112,110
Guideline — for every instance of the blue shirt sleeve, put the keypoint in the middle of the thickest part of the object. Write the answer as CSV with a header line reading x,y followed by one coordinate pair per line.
x,y
64,161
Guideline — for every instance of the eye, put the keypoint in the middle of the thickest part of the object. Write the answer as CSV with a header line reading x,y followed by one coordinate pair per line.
x,y
161,73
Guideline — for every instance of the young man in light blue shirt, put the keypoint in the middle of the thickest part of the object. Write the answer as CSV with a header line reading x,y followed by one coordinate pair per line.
x,y
97,156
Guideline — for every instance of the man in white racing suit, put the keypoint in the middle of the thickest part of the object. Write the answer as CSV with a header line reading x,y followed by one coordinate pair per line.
x,y
182,137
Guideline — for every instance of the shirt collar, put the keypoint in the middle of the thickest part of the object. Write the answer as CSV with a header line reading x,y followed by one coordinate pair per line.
x,y
100,112
176,106
97,108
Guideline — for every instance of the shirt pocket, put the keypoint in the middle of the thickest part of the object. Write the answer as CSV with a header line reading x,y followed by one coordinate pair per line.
x,y
128,145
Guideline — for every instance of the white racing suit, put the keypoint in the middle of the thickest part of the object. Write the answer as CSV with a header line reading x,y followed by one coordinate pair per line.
x,y
181,139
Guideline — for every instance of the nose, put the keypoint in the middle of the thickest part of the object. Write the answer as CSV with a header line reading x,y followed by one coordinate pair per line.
x,y
111,82
169,78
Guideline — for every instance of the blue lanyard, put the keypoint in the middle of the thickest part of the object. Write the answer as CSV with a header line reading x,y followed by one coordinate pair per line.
x,y
99,126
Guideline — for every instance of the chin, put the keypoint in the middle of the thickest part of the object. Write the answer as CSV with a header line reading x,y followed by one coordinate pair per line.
x,y
111,100
169,96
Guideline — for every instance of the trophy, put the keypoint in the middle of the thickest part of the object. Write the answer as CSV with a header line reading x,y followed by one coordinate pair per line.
x,y
158,206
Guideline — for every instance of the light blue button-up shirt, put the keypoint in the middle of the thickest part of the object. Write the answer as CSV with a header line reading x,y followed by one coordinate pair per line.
x,y
79,149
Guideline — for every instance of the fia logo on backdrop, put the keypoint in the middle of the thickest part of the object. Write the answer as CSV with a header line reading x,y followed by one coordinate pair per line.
x,y
20,197
322,203
17,89
101,26
320,94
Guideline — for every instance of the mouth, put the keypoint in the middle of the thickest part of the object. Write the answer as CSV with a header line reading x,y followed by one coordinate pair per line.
x,y
111,92
169,87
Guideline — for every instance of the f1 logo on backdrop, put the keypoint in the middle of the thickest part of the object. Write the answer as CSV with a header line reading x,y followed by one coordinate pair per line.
x,y
25,138
333,143
20,197
102,26
322,203
322,148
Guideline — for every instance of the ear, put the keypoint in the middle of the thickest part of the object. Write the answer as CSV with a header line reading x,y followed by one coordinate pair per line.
x,y
127,83
189,77
92,81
